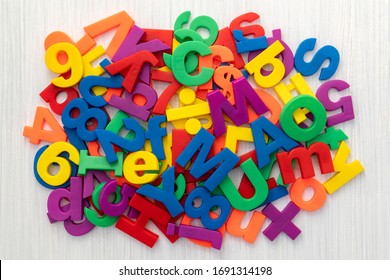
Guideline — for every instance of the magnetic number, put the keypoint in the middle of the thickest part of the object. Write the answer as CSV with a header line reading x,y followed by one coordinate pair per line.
x,y
52,156
74,64
81,121
41,181
198,22
208,203
107,138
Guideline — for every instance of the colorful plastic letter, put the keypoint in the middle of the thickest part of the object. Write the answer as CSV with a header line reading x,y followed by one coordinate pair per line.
x,y
246,45
198,233
243,93
156,134
345,103
131,66
256,30
88,83
36,133
131,167
137,229
130,107
131,45
235,133
258,182
344,171
78,228
50,94
250,233
93,216
325,53
121,20
303,156
117,208
74,195
99,163
319,196
292,129
286,55
281,221
284,93
178,64
166,195
268,56
331,136
224,161
279,140
225,38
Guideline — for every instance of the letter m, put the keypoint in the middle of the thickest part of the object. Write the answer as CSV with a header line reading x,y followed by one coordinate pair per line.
x,y
243,92
303,156
223,162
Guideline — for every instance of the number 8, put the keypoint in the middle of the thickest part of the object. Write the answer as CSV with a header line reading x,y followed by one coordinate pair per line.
x,y
80,122
208,202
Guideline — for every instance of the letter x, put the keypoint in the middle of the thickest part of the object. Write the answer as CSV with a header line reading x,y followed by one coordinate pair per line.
x,y
281,221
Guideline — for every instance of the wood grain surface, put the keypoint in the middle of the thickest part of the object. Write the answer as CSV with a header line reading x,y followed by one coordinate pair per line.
x,y
353,224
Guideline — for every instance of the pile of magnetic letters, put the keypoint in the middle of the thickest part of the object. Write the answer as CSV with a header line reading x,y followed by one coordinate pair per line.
x,y
151,129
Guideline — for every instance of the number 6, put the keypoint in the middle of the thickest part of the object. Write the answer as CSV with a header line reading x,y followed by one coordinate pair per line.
x,y
50,156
